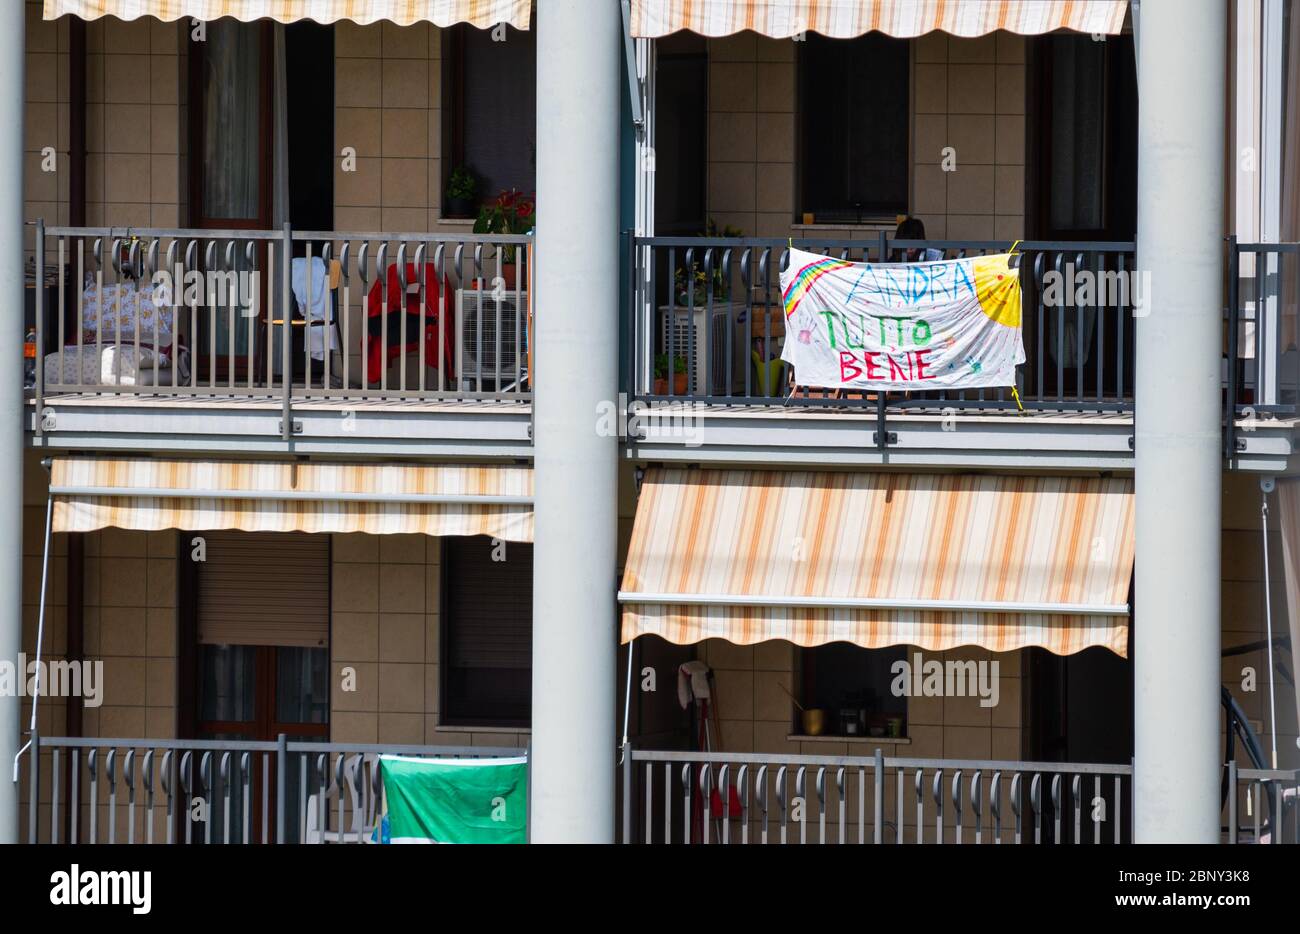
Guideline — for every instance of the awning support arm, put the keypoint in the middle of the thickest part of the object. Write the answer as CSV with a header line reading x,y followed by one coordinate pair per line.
x,y
1265,487
629,56
627,698
40,640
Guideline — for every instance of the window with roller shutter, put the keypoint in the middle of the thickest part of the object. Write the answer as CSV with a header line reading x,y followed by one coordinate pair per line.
x,y
264,588
487,633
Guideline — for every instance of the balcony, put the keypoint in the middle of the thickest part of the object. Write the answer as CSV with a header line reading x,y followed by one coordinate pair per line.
x,y
108,790
212,791
194,340
737,798
1262,363
737,401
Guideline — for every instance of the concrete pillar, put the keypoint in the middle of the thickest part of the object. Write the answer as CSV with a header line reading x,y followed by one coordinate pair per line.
x,y
576,358
12,94
1181,85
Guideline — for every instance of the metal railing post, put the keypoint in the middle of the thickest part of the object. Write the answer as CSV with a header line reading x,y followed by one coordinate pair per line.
x,y
281,776
1232,801
39,387
34,786
878,832
286,334
627,792
1234,326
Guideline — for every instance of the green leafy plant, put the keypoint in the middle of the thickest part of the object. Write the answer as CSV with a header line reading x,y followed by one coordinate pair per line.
x,y
711,230
699,295
661,365
462,185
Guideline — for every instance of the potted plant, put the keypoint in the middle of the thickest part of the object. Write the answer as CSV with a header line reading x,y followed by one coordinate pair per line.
x,y
661,375
462,188
691,287
511,212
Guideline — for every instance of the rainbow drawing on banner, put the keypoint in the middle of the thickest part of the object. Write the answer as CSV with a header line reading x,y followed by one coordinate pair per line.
x,y
804,279
941,324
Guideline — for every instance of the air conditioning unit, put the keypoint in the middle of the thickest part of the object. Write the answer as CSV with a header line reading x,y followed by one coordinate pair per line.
x,y
480,319
709,361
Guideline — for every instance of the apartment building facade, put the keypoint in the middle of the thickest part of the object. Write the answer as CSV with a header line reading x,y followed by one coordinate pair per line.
x,y
329,507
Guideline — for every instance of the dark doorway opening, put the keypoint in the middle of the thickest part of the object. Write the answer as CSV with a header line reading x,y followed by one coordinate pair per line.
x,y
1079,708
1082,133
681,136
309,74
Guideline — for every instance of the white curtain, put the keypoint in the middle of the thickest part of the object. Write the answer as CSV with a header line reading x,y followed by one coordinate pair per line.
x,y
231,91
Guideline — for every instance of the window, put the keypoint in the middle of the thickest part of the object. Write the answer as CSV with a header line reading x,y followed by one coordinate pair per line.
x,y
254,654
230,75
1078,140
487,632
490,107
851,686
853,106
1082,133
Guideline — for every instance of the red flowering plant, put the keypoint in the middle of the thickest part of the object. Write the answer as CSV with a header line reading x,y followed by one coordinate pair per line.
x,y
512,212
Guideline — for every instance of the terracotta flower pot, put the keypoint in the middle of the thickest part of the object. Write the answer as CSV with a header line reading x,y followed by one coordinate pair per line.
x,y
660,386
508,276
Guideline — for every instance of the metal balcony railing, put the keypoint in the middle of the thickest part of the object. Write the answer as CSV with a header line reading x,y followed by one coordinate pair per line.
x,y
286,315
714,306
1263,805
757,798
1262,365
735,798
211,791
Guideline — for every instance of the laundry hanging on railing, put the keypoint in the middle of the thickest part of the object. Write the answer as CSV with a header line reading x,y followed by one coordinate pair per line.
x,y
454,800
948,324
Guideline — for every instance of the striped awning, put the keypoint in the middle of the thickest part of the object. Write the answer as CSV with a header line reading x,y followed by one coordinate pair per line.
x,y
877,559
380,499
905,19
480,13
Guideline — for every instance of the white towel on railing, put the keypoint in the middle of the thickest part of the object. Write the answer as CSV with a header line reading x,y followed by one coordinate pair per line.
x,y
320,303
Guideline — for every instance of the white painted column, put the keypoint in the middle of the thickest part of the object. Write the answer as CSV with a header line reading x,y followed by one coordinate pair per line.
x,y
579,83
12,93
1181,125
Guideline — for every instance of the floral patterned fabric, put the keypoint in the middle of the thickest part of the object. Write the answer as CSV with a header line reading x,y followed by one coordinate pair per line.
x,y
147,310
113,365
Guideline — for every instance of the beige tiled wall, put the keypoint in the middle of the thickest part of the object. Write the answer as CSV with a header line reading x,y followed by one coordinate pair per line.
x,y
969,94
46,193
756,714
388,106
130,618
751,170
966,93
135,89
384,626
